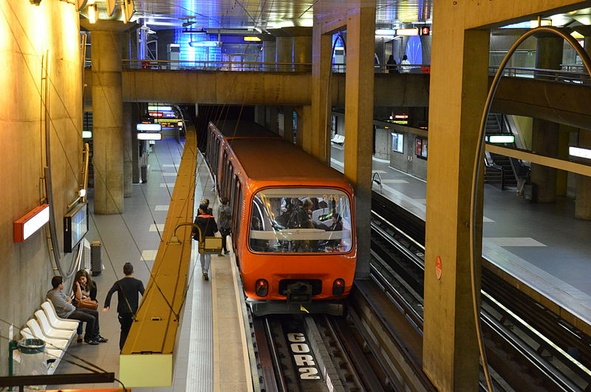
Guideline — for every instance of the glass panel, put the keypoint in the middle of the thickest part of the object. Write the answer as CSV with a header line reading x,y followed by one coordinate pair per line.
x,y
300,220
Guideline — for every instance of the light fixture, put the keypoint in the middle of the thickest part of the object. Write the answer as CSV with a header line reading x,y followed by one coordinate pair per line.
x,y
92,13
407,32
36,2
32,221
579,152
496,139
252,38
148,127
149,136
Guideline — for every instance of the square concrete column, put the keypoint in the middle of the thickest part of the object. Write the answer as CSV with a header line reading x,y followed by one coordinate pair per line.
x,y
107,107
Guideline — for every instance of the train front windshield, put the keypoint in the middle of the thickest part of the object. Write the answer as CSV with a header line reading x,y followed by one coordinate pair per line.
x,y
300,220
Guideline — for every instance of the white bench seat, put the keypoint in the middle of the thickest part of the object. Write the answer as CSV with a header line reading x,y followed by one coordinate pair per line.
x,y
54,320
50,342
50,331
338,139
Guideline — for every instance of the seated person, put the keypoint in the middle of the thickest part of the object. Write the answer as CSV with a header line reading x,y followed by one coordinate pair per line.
x,y
64,308
257,244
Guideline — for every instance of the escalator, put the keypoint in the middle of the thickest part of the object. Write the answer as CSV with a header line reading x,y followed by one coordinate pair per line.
x,y
502,171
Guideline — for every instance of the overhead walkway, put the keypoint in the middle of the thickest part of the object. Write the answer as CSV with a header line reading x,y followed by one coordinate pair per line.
x,y
551,100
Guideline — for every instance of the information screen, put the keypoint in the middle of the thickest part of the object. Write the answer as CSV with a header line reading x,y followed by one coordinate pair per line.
x,y
75,226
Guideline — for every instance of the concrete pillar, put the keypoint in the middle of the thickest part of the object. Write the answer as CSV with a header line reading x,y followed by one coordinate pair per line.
x,y
269,52
259,114
271,119
136,113
545,133
359,100
304,125
459,85
358,19
544,142
108,154
317,141
583,186
128,134
302,48
289,130
283,51
426,48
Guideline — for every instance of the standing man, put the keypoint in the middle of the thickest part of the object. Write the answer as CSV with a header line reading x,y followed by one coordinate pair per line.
x,y
224,223
64,309
127,290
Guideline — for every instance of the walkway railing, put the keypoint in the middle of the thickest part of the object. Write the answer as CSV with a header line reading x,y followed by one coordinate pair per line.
x,y
569,73
235,66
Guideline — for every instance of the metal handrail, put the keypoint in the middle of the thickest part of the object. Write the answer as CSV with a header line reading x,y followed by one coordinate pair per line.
x,y
378,180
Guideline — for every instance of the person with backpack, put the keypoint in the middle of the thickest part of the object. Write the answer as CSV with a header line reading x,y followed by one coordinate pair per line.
x,y
224,223
207,228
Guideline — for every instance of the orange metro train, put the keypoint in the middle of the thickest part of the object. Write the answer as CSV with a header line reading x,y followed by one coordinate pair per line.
x,y
293,220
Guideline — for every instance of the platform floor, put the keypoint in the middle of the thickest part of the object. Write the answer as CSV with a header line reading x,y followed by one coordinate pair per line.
x,y
541,244
211,355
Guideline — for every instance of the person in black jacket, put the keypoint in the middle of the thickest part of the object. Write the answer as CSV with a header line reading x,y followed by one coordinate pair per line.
x,y
207,228
127,290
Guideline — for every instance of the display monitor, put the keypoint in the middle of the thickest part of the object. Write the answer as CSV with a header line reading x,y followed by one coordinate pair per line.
x,y
75,226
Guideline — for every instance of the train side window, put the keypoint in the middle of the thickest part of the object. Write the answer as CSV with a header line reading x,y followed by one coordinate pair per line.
x,y
222,183
236,203
215,155
228,176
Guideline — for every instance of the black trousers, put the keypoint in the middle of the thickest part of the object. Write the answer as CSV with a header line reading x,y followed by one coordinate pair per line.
x,y
126,320
91,318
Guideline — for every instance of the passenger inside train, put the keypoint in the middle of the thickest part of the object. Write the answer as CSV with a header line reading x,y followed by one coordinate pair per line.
x,y
310,222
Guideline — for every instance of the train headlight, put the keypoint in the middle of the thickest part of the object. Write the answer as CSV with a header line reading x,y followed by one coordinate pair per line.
x,y
261,287
338,287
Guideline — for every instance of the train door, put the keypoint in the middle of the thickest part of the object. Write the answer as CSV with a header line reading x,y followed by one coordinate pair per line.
x,y
228,177
236,198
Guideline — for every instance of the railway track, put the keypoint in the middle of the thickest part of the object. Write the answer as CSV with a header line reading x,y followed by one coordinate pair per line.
x,y
528,345
312,354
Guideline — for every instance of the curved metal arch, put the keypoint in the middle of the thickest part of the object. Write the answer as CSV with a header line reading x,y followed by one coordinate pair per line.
x,y
479,157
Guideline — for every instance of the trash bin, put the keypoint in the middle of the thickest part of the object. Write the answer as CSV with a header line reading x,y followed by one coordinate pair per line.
x,y
529,192
32,360
96,263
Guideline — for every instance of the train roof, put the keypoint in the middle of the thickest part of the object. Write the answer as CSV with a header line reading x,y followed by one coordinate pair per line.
x,y
271,159
238,128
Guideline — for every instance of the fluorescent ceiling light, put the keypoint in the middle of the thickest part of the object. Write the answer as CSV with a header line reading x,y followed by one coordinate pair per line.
x,y
579,152
500,139
160,108
92,13
407,32
149,136
201,44
148,127
385,32
252,38
30,223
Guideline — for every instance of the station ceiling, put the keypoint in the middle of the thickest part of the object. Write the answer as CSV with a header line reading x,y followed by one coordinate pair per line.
x,y
275,14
